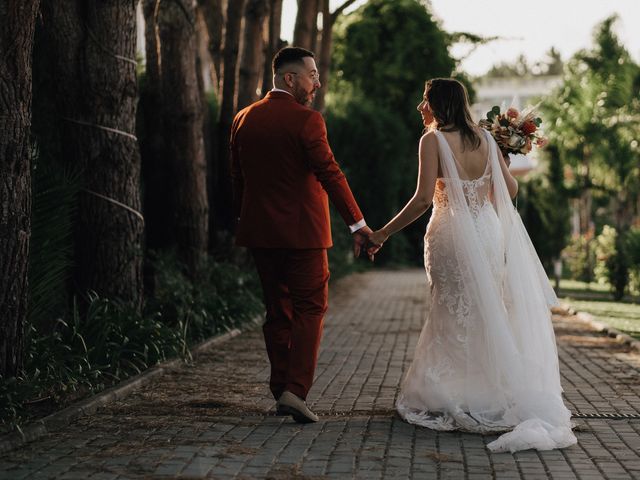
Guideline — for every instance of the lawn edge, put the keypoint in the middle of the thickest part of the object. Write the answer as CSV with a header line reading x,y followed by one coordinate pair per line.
x,y
602,327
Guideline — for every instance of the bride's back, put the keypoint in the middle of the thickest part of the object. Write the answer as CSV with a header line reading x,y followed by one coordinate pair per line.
x,y
471,163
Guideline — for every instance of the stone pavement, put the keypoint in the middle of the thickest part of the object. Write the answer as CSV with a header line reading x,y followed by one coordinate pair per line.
x,y
215,418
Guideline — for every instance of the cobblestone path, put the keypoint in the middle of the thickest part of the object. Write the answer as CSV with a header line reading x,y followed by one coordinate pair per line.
x,y
215,418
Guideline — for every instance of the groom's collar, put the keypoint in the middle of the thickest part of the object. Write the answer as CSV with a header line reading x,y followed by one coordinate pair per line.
x,y
278,94
275,89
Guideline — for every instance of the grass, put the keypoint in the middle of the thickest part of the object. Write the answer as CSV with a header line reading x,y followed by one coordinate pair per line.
x,y
596,299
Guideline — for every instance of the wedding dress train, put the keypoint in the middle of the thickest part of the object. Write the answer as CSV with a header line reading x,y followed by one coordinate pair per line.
x,y
486,360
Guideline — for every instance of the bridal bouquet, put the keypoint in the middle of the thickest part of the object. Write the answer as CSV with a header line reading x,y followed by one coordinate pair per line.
x,y
515,132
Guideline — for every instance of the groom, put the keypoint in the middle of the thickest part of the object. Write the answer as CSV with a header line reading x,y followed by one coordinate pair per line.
x,y
283,174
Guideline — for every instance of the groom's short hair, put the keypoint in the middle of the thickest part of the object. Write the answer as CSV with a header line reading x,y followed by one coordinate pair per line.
x,y
289,55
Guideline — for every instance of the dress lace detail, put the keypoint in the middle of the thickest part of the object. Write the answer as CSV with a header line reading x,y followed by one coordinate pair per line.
x,y
488,325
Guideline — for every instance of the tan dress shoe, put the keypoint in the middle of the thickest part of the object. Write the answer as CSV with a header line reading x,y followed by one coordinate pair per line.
x,y
296,407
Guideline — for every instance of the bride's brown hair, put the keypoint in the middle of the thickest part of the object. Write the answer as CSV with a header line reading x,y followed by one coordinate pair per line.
x,y
449,102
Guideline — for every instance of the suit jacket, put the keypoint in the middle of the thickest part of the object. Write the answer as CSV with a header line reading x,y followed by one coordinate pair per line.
x,y
283,174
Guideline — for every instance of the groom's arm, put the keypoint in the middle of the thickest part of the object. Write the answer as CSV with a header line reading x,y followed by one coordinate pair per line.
x,y
328,172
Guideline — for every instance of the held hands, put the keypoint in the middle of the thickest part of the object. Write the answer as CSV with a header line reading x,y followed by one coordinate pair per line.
x,y
360,238
367,239
376,240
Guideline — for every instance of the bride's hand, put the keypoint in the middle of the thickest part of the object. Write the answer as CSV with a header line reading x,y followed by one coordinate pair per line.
x,y
376,239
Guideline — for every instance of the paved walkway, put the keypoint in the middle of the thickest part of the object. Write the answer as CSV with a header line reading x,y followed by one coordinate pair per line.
x,y
215,419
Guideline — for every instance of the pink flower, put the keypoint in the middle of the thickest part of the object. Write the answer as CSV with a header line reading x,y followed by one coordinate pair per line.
x,y
512,113
542,141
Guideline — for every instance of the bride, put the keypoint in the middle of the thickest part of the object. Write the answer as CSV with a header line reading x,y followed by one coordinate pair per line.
x,y
486,360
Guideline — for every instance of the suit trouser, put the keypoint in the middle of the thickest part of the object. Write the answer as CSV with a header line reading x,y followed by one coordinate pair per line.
x,y
295,284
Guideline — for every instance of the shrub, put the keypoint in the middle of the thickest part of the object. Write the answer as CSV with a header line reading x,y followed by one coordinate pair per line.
x,y
612,261
579,257
632,252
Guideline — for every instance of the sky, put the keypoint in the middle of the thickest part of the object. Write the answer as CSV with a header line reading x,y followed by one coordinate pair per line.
x,y
566,25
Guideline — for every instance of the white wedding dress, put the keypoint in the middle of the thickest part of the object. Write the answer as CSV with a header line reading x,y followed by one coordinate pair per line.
x,y
486,360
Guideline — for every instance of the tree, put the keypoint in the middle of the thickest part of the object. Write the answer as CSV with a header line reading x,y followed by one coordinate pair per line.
x,y
389,49
544,207
87,74
326,46
252,57
597,111
551,65
379,79
183,117
150,129
212,11
273,43
306,30
222,173
17,21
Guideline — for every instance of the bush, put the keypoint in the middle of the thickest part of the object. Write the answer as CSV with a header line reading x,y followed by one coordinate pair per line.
x,y
632,252
85,352
605,249
379,157
224,297
579,256
612,265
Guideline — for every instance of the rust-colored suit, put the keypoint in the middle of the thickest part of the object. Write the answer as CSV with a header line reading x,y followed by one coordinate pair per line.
x,y
283,169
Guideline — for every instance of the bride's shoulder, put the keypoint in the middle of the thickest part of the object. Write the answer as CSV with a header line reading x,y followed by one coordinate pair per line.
x,y
429,143
429,138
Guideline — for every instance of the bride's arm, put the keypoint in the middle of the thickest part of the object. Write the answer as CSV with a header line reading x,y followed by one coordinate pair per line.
x,y
512,183
421,200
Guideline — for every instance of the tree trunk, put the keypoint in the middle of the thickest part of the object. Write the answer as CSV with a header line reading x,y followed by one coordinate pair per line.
x,y
212,11
252,57
313,44
326,45
93,82
273,44
17,24
183,130
224,219
155,170
324,60
306,20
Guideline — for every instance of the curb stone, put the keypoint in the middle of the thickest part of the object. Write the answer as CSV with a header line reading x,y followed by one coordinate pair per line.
x,y
89,405
603,327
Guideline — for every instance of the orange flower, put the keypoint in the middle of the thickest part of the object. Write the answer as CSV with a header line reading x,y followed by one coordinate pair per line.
x,y
528,128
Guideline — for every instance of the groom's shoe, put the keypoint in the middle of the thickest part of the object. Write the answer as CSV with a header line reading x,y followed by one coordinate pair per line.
x,y
296,407
280,411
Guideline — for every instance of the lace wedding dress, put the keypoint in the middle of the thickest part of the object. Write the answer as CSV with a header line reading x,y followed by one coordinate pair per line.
x,y
486,360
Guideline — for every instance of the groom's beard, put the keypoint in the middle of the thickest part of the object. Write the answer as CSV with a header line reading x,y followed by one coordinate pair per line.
x,y
304,97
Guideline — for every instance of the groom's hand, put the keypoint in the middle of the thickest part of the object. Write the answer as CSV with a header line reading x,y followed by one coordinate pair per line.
x,y
360,238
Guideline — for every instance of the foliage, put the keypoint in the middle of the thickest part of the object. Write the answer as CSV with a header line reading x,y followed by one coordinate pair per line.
x,y
376,153
225,296
606,251
544,208
597,119
632,252
580,257
551,65
51,245
84,352
384,53
388,49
